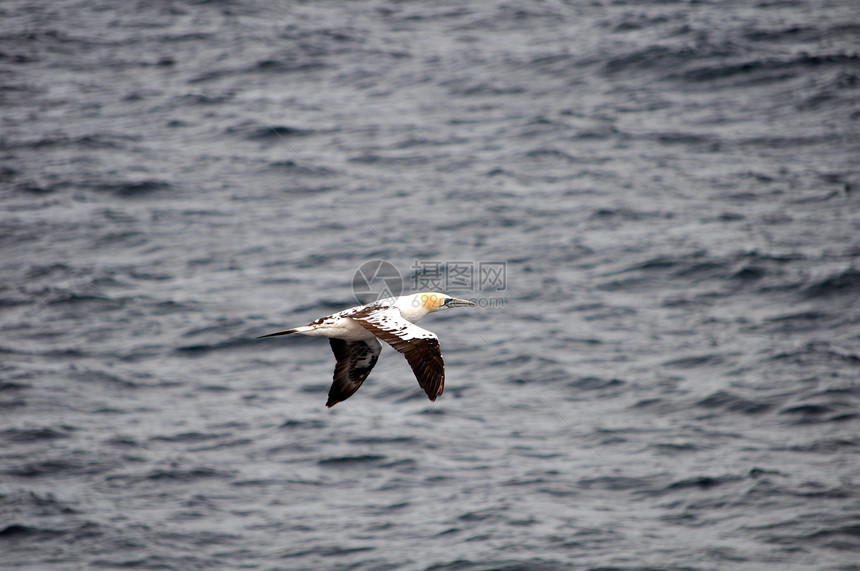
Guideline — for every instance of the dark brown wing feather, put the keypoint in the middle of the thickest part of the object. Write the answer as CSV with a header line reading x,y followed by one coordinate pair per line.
x,y
420,347
355,360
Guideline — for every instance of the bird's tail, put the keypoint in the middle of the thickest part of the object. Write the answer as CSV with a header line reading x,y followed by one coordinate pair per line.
x,y
288,332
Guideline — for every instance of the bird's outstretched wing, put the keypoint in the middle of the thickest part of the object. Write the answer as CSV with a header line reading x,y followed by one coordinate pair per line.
x,y
355,360
419,346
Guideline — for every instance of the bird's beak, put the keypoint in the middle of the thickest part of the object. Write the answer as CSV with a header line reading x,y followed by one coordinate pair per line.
x,y
454,302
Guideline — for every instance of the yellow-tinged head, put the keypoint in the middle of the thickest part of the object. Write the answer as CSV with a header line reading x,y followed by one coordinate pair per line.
x,y
429,300
415,306
434,301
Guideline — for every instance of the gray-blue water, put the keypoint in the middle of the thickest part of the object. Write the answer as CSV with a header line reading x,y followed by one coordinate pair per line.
x,y
669,379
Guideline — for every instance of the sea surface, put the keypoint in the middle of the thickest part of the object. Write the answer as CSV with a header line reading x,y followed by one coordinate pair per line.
x,y
665,376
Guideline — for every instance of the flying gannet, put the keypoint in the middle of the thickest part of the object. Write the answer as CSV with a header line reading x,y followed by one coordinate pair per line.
x,y
353,336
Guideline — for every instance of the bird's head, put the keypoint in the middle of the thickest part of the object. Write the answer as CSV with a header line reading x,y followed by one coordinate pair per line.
x,y
430,301
434,301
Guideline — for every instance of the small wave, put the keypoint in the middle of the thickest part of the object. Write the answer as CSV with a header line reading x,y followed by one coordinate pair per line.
x,y
432,411
835,92
694,361
618,483
674,448
828,446
288,65
42,504
349,461
99,141
828,532
12,386
266,133
816,353
641,21
657,405
10,404
708,142
838,394
799,322
135,189
695,265
313,424
626,214
122,441
523,359
595,383
53,271
844,283
16,531
63,296
468,88
748,273
757,71
16,299
188,437
652,57
814,413
186,475
195,99
792,34
845,537
314,388
549,155
102,378
201,349
328,552
371,158
730,402
701,483
383,440
171,307
758,272
34,434
300,169
57,468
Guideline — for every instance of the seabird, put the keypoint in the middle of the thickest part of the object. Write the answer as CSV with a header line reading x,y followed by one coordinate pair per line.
x,y
353,336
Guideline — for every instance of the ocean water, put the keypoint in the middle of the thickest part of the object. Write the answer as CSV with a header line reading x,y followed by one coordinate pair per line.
x,y
668,377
